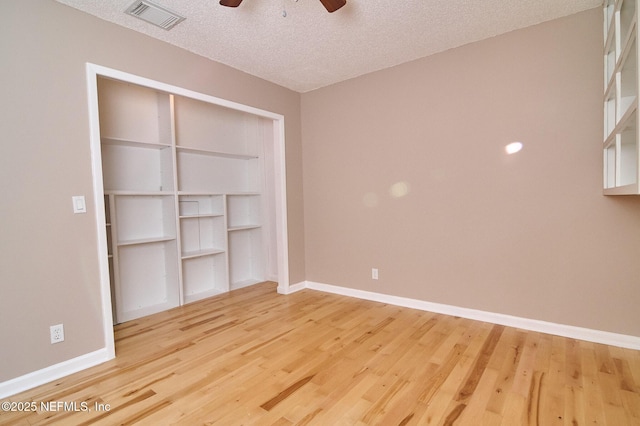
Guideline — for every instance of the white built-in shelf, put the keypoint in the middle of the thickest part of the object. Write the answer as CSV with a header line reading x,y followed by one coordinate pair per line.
x,y
200,193
139,193
242,194
621,152
216,153
140,241
200,216
183,182
200,253
221,172
242,227
106,140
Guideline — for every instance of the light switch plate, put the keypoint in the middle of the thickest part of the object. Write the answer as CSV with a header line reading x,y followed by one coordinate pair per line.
x,y
79,205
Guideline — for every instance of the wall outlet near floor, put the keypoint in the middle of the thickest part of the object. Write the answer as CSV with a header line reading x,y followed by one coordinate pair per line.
x,y
57,333
374,273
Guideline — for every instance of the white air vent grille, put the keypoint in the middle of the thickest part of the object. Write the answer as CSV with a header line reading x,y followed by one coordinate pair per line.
x,y
154,14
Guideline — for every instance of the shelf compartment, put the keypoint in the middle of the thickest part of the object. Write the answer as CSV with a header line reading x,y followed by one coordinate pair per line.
x,y
610,59
204,126
216,174
200,234
200,205
136,166
144,219
609,13
246,258
626,19
204,276
621,155
609,113
243,211
610,164
131,112
628,79
147,280
628,154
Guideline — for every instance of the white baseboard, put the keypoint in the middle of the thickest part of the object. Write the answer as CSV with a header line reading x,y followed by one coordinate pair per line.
x,y
590,335
54,372
293,288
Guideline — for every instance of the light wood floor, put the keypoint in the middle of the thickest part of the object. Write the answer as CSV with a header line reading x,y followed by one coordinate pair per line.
x,y
255,357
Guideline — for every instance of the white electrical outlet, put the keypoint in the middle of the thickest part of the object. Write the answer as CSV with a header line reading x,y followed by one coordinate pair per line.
x,y
374,273
57,333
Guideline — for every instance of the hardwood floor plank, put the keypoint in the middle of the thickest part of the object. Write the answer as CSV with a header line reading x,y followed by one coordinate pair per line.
x,y
285,393
480,364
477,403
253,357
511,350
594,405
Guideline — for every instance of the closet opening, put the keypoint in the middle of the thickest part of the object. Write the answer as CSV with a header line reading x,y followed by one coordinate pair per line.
x,y
190,195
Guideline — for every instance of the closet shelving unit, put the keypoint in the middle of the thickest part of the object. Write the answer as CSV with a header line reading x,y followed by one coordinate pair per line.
x,y
621,151
183,182
219,155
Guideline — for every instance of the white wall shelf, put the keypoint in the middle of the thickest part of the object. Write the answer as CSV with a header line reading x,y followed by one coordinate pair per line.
x,y
147,275
243,211
183,184
134,192
200,253
216,153
246,262
621,153
204,276
207,127
242,228
144,241
135,144
141,218
205,173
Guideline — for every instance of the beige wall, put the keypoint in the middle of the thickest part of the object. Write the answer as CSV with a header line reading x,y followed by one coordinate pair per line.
x,y
48,262
529,235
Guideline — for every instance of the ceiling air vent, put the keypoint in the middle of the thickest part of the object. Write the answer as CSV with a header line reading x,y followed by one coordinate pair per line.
x,y
154,14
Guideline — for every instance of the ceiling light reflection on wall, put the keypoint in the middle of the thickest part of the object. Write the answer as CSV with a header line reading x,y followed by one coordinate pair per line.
x,y
399,189
513,147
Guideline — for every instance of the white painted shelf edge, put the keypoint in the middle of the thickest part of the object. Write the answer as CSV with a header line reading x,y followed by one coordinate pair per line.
x,y
622,123
107,140
145,241
199,216
139,193
242,227
631,189
216,153
200,253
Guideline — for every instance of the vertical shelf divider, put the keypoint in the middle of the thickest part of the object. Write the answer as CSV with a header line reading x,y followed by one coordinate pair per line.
x,y
176,183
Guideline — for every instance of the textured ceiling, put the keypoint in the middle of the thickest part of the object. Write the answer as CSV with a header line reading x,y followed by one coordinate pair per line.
x,y
310,48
